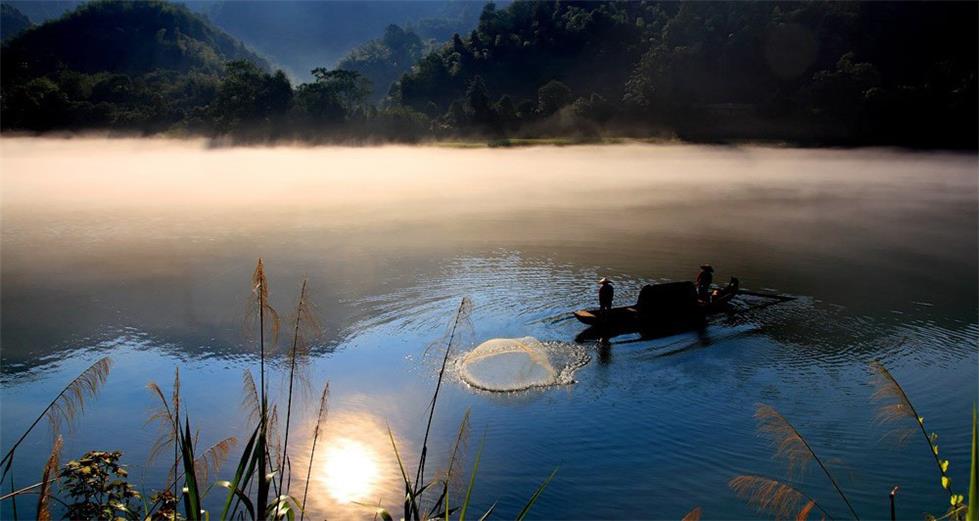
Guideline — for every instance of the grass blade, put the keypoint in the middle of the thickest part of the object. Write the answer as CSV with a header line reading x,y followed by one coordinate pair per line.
x,y
65,406
192,498
534,497
971,511
486,515
233,486
472,483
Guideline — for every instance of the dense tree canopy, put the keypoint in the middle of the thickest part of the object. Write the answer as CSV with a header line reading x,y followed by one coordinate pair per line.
x,y
301,35
809,72
384,60
814,71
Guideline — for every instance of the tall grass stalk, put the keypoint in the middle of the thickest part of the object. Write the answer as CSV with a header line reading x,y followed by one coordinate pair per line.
x,y
776,497
793,446
461,312
267,318
972,509
50,474
320,418
65,406
169,419
297,354
896,405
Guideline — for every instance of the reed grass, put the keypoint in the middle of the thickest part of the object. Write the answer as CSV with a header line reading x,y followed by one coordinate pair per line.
x,y
792,446
693,515
65,407
320,418
462,313
50,472
972,509
776,497
895,405
304,327
263,456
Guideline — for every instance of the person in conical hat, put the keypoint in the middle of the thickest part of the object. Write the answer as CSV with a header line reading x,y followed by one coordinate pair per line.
x,y
605,294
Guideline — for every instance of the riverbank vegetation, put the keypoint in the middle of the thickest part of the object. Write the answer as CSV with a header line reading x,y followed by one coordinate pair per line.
x,y
782,500
813,73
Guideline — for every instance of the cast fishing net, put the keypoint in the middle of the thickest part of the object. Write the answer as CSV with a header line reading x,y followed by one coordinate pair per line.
x,y
516,364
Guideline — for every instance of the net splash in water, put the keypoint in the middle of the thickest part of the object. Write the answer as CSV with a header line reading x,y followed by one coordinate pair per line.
x,y
517,364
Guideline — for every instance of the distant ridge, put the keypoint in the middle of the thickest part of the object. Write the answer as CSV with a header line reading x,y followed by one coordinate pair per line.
x,y
130,37
12,22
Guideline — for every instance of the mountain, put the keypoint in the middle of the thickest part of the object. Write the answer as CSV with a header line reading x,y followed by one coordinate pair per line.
x,y
40,11
119,64
302,35
809,73
131,37
12,22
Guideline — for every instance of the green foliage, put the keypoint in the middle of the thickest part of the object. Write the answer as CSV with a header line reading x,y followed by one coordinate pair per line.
x,y
325,32
97,487
247,96
810,72
552,96
166,509
384,60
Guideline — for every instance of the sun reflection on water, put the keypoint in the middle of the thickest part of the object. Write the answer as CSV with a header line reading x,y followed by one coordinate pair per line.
x,y
351,471
354,469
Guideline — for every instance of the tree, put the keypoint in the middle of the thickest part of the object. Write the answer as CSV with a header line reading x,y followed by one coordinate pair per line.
x,y
334,97
248,96
478,103
552,97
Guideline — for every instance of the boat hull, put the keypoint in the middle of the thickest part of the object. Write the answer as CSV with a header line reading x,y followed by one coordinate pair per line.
x,y
681,313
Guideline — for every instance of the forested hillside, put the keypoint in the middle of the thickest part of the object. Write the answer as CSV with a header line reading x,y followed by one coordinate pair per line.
x,y
300,35
816,73
145,63
384,60
824,71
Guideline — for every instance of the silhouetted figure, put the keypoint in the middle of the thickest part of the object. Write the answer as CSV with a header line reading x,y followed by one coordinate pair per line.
x,y
605,295
704,282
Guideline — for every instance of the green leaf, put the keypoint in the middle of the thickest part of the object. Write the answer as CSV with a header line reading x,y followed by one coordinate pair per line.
x,y
192,498
233,490
232,486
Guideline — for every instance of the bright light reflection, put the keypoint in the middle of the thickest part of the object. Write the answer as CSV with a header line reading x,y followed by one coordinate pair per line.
x,y
351,471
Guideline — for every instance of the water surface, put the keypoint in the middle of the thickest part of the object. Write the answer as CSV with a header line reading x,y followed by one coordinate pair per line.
x,y
142,250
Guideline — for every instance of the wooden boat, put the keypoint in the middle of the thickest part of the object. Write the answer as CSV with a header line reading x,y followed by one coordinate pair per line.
x,y
668,306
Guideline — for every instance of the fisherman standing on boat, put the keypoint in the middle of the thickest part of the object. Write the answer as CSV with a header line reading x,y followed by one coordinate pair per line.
x,y
605,295
704,282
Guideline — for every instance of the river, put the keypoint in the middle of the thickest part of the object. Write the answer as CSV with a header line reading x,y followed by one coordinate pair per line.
x,y
142,250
